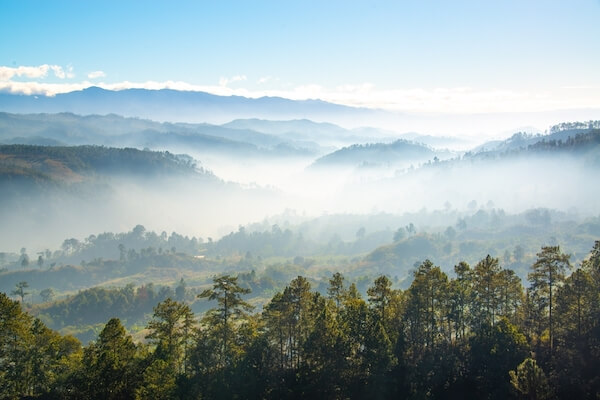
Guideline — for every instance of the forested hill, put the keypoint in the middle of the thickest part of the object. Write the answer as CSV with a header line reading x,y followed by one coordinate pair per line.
x,y
565,132
587,141
400,151
77,164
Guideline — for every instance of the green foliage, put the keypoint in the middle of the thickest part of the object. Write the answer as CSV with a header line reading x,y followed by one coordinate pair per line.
x,y
33,359
20,290
171,330
222,322
97,304
548,273
463,336
158,382
29,161
110,367
530,381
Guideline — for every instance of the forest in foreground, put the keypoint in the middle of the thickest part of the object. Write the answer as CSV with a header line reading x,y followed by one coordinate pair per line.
x,y
478,334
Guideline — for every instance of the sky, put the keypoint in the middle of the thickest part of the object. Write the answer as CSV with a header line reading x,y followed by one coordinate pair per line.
x,y
427,56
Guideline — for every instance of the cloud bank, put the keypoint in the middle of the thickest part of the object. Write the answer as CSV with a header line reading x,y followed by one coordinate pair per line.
x,y
454,100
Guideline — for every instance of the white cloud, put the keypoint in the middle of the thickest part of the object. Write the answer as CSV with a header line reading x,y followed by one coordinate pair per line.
x,y
58,71
7,73
46,89
96,75
226,81
267,79
41,71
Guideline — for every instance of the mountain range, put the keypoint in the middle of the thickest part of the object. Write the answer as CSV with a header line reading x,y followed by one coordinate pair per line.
x,y
174,105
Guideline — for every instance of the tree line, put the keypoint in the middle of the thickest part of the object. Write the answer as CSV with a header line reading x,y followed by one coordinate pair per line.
x,y
477,334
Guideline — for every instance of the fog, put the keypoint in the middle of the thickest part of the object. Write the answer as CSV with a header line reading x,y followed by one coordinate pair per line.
x,y
260,169
252,190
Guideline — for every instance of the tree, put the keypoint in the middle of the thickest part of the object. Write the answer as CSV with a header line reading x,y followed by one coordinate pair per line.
x,y
20,290
577,352
171,330
361,232
380,295
494,351
14,335
511,296
288,321
71,246
230,309
33,359
548,272
591,265
354,326
399,234
110,369
325,355
158,382
574,304
460,294
424,308
122,252
518,253
299,319
51,359
47,295
336,290
378,358
530,381
450,233
411,229
180,290
486,291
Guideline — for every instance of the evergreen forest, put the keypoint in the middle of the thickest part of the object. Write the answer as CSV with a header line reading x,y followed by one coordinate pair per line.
x,y
477,333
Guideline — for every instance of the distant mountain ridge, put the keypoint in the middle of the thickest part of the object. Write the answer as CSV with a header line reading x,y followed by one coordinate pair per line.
x,y
311,132
117,131
174,105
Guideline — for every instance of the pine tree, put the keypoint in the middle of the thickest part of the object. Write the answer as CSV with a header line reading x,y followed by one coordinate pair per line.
x,y
548,272
20,290
110,368
530,381
222,320
486,292
425,307
171,330
380,295
336,290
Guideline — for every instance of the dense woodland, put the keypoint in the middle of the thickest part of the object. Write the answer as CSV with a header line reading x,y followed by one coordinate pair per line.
x,y
476,334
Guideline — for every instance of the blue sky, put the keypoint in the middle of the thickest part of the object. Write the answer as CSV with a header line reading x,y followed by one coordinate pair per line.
x,y
431,56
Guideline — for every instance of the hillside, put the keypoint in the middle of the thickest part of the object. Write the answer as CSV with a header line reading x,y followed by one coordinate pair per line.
x,y
117,131
76,164
557,133
398,152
